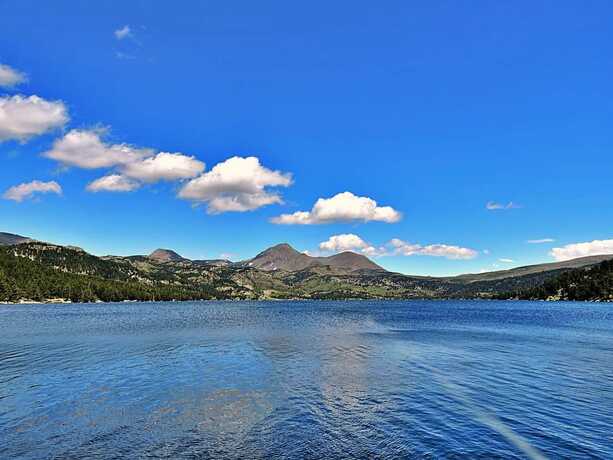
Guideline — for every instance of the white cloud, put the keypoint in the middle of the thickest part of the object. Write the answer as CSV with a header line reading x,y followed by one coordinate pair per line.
x,y
27,190
10,77
506,261
124,56
113,183
164,166
493,206
403,248
344,242
448,251
589,248
486,252
436,250
343,207
236,184
123,32
541,241
86,149
22,118
351,242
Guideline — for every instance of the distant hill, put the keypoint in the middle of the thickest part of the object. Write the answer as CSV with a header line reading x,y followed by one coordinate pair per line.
x,y
349,260
284,257
44,272
531,269
40,271
213,262
165,255
587,283
8,239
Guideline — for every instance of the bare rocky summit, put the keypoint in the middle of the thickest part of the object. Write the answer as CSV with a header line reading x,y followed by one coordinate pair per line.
x,y
166,255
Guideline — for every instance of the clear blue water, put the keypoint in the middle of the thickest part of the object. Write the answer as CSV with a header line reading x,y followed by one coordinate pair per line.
x,y
307,380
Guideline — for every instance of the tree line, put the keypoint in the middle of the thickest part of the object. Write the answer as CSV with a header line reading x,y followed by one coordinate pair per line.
x,y
594,283
22,278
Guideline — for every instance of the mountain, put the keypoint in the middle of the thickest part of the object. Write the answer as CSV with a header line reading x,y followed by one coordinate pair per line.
x,y
280,257
284,257
349,260
165,255
8,239
41,271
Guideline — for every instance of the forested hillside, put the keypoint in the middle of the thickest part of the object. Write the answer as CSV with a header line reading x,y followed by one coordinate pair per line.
x,y
594,283
22,278
37,271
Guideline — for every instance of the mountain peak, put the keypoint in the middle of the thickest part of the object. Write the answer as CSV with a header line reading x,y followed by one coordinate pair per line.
x,y
284,257
282,247
351,260
165,255
280,257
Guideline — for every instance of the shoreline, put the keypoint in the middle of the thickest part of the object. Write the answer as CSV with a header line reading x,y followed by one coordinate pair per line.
x,y
70,302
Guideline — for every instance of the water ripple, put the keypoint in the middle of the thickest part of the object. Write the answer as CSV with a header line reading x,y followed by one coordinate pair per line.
x,y
376,380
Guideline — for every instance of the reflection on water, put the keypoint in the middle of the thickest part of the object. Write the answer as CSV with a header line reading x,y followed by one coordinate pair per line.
x,y
307,380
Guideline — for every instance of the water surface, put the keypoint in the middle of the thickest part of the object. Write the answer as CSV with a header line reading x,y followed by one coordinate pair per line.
x,y
275,380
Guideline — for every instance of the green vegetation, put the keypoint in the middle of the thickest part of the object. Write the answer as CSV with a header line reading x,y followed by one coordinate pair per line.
x,y
40,271
22,278
35,271
594,283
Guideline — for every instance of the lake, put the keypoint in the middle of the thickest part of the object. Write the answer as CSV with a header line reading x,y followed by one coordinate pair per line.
x,y
276,380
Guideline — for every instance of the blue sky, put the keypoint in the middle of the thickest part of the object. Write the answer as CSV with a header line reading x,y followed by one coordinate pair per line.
x,y
430,109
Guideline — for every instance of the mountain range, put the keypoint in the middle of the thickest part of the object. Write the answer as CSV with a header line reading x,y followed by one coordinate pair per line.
x,y
34,270
284,257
